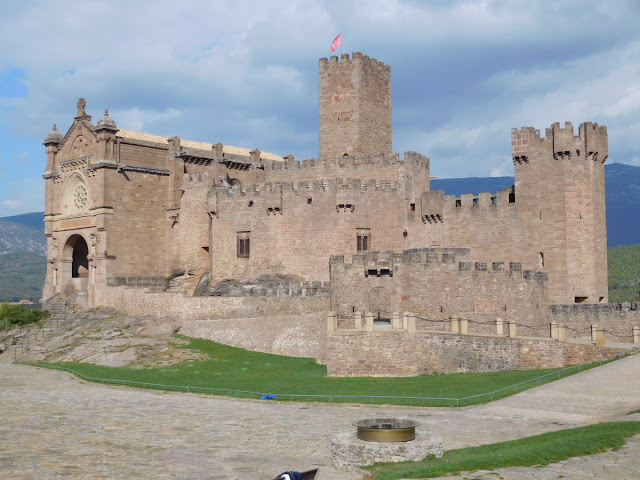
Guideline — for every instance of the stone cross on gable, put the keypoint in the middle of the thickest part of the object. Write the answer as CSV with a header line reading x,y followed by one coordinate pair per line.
x,y
82,114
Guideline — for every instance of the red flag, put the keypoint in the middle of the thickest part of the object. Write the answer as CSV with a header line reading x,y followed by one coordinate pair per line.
x,y
337,42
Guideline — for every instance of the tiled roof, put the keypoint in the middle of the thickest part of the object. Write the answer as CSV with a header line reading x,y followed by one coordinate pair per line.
x,y
149,137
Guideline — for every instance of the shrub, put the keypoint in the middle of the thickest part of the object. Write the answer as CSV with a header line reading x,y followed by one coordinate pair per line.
x,y
11,316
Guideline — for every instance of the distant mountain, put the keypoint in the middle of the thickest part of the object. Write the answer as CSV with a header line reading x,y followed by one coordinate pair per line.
x,y
22,237
473,185
33,220
21,276
622,183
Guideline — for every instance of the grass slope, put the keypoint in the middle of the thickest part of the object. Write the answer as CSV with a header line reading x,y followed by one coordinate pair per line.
x,y
236,369
526,452
21,276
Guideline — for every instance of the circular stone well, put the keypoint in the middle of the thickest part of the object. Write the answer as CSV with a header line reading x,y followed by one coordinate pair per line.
x,y
386,429
349,452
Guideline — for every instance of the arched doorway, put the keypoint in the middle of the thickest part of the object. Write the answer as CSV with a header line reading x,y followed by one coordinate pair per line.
x,y
380,303
80,258
75,265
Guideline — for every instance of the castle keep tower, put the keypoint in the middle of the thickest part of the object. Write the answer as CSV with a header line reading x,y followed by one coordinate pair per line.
x,y
560,197
355,106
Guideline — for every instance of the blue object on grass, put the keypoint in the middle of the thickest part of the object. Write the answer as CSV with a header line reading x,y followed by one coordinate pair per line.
x,y
268,396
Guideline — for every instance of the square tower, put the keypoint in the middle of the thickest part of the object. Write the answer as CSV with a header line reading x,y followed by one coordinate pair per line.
x,y
355,106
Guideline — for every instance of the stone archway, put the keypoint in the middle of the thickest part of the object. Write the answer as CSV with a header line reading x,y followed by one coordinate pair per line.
x,y
380,303
80,259
75,272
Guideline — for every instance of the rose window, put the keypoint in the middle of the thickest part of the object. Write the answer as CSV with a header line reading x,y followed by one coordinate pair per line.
x,y
80,197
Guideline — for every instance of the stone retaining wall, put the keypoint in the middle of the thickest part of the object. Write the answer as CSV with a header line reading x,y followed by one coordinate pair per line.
x,y
135,301
388,353
301,335
618,319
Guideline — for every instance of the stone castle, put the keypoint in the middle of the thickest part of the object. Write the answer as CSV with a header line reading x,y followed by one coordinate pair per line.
x,y
133,208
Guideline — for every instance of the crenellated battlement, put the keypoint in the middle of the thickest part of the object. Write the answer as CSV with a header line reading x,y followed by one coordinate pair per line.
x,y
357,58
591,143
448,258
410,158
329,187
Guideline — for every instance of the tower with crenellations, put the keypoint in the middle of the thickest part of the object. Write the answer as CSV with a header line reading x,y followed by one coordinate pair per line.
x,y
560,195
355,106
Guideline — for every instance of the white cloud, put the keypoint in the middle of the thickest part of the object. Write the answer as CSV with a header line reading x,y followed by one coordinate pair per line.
x,y
245,73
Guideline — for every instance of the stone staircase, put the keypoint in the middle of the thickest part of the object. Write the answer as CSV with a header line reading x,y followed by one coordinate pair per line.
x,y
21,339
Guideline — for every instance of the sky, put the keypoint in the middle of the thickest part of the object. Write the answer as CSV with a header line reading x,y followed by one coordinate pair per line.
x,y
245,73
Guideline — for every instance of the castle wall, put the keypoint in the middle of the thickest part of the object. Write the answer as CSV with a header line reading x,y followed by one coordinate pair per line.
x,y
354,354
412,171
135,232
435,283
487,224
295,230
618,319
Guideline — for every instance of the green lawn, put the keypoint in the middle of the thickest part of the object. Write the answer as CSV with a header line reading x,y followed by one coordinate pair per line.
x,y
255,373
537,450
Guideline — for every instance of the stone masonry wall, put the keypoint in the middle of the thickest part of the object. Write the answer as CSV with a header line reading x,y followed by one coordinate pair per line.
x,y
355,106
137,301
294,229
618,319
301,335
434,284
388,353
294,326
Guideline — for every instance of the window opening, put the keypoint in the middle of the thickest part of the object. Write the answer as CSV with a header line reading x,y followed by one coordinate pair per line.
x,y
512,197
458,203
494,200
363,242
475,202
581,299
243,245
412,207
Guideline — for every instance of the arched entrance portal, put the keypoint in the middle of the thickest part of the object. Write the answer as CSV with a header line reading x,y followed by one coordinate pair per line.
x,y
380,303
80,258
75,265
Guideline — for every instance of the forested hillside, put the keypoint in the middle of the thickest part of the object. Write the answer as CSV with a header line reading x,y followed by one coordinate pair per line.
x,y
624,273
21,276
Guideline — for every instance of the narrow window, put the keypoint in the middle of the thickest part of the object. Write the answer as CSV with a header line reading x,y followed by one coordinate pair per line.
x,y
412,207
494,200
541,259
244,245
512,197
581,299
363,241
475,202
458,203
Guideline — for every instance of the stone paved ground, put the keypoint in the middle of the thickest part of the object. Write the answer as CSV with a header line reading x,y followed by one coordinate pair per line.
x,y
55,426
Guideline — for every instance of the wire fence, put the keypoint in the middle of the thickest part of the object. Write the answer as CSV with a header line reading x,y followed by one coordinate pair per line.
x,y
489,327
400,400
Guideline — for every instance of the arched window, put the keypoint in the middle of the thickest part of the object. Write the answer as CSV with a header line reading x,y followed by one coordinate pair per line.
x,y
75,199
